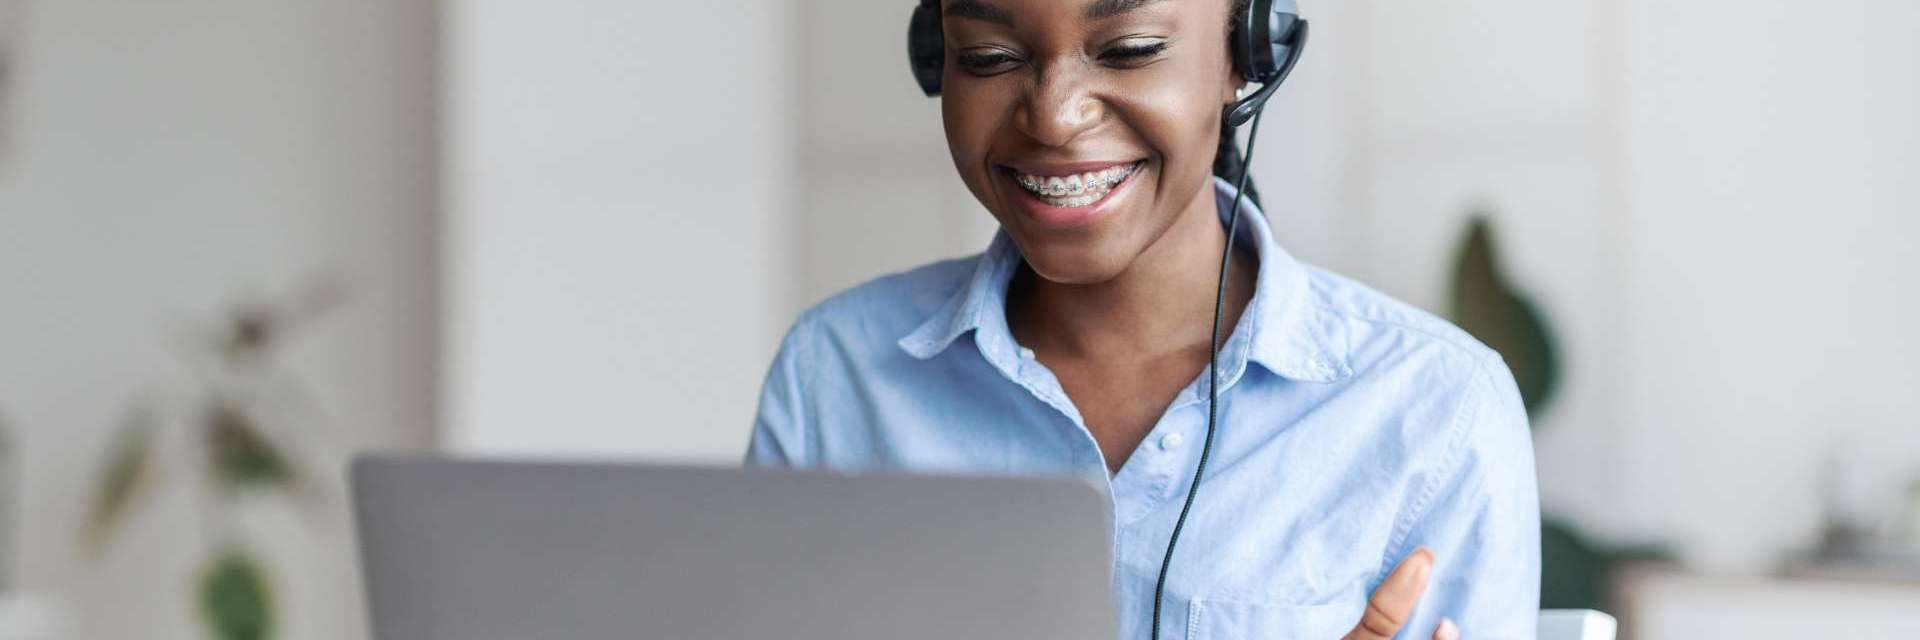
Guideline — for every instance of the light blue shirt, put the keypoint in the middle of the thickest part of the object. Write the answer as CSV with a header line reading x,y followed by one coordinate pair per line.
x,y
1353,428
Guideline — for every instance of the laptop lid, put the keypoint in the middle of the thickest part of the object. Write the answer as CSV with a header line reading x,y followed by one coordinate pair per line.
x,y
471,550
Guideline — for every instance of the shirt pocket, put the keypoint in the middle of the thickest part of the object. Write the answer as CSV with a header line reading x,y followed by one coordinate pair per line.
x,y
1210,619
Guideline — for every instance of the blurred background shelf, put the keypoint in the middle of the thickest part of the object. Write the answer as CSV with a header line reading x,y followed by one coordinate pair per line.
x,y
1662,604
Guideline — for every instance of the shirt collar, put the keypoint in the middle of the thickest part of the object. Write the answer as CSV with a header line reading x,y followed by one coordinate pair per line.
x,y
1283,329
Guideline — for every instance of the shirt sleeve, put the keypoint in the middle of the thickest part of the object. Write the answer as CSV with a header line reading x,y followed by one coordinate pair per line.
x,y
781,426
1482,521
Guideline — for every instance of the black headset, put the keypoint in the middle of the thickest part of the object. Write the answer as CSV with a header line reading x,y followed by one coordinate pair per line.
x,y
1266,42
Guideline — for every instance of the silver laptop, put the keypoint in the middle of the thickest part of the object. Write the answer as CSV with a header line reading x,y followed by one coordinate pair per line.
x,y
469,550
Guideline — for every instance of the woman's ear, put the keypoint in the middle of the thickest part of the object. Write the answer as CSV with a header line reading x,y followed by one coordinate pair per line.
x,y
1234,89
1235,83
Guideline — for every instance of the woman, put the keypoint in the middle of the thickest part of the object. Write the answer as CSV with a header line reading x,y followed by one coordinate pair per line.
x,y
1355,432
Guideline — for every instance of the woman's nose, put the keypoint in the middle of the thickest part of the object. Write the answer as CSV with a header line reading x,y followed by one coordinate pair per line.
x,y
1060,107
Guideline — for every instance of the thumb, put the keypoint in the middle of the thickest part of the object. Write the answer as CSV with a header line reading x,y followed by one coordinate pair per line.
x,y
1392,602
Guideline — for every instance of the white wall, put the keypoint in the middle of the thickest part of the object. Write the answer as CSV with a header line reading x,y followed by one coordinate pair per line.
x,y
1772,281
1713,201
170,157
620,194
881,194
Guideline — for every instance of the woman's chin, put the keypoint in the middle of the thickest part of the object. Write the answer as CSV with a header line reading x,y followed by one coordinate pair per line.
x,y
1074,266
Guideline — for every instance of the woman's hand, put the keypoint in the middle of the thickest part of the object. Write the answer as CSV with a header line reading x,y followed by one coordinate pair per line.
x,y
1392,603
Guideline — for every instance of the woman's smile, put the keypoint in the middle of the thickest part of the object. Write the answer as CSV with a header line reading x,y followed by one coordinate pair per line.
x,y
1068,195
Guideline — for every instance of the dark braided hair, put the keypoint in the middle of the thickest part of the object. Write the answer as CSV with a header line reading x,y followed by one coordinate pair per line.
x,y
1228,163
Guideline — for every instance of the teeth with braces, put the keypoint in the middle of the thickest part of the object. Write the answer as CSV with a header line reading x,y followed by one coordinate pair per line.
x,y
1076,190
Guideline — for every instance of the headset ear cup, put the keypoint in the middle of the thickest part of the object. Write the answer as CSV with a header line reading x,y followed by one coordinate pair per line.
x,y
1264,39
1280,54
1252,41
1285,35
927,47
1239,43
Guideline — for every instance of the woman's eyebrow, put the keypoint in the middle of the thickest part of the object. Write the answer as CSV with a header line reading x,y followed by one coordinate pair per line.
x,y
979,11
1111,8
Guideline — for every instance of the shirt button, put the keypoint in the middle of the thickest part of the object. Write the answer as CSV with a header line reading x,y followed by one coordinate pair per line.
x,y
1172,441
1026,354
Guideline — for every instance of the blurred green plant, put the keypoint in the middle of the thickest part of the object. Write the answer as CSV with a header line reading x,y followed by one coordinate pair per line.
x,y
1486,305
1575,572
240,454
235,599
128,473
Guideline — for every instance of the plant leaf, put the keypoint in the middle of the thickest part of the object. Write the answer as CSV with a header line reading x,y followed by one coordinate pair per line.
x,y
1486,306
128,473
235,599
243,457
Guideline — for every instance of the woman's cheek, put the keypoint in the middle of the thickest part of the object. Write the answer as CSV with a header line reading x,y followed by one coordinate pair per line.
x,y
1170,115
970,129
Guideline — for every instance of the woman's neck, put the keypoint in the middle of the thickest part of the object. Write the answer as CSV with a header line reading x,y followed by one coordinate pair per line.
x,y
1161,305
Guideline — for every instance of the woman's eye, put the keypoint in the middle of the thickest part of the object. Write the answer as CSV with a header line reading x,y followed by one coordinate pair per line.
x,y
1133,54
985,62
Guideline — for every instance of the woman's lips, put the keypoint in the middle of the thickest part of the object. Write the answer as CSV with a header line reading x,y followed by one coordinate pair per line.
x,y
1070,195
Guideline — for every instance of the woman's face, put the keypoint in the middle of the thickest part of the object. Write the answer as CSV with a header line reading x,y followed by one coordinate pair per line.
x,y
1087,127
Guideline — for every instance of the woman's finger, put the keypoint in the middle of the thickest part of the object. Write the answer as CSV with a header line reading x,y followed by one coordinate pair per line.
x,y
1447,631
1392,602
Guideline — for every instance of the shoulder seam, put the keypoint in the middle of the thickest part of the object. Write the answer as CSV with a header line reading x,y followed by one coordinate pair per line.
x,y
1475,350
1320,300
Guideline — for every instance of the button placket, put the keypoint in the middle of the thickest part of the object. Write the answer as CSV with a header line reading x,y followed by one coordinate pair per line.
x,y
1175,460
1162,462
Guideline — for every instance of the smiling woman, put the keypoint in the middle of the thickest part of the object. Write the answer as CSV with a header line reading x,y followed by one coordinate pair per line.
x,y
1346,431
